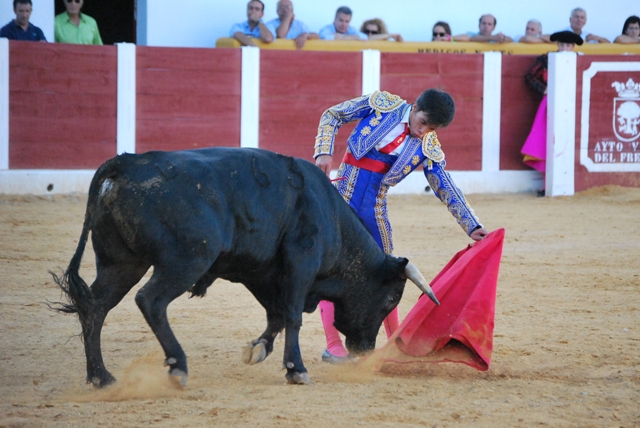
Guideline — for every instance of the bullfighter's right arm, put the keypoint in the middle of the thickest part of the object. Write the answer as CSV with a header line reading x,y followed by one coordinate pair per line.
x,y
334,117
446,190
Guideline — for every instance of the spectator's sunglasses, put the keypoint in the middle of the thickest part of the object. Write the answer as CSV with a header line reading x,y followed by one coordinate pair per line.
x,y
71,1
439,34
371,32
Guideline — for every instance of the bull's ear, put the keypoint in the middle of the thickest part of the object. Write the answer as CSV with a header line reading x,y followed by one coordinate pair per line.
x,y
402,264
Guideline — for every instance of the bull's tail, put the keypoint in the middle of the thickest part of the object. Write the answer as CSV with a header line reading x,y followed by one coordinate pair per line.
x,y
79,295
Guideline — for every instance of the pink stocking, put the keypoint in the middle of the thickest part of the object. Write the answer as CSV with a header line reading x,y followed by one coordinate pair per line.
x,y
334,343
391,322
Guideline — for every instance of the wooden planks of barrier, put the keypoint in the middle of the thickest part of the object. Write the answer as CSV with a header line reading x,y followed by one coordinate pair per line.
x,y
187,98
62,104
295,89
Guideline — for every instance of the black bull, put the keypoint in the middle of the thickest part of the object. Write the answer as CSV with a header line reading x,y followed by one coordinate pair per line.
x,y
271,222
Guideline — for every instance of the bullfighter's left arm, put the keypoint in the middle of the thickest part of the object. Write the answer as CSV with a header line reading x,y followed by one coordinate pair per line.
x,y
444,188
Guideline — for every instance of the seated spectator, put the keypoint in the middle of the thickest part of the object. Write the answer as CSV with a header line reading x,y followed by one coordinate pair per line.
x,y
73,26
244,32
577,21
375,29
285,26
630,31
20,28
487,25
442,33
533,33
340,29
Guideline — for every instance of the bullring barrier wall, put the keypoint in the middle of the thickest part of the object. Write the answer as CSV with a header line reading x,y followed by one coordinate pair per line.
x,y
65,109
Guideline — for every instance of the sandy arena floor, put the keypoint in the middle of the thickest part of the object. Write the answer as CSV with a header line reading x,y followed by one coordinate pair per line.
x,y
566,348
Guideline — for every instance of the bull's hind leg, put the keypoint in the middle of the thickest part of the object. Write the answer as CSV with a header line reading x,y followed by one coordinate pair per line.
x,y
257,350
110,286
165,285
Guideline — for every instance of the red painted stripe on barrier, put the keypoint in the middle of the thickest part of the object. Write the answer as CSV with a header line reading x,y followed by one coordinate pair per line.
x,y
519,105
296,88
408,75
187,98
62,103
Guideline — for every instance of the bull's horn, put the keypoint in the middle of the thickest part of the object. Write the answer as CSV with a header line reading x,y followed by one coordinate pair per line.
x,y
416,277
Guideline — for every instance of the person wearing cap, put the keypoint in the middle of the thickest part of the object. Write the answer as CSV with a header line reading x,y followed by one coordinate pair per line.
x,y
577,21
534,149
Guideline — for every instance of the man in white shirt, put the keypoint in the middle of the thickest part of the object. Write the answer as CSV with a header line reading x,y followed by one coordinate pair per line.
x,y
577,21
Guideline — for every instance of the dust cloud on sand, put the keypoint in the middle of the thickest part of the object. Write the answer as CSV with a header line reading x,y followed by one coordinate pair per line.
x,y
566,340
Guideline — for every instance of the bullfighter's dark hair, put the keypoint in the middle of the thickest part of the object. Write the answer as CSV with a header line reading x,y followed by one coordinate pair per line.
x,y
16,2
259,1
345,10
438,105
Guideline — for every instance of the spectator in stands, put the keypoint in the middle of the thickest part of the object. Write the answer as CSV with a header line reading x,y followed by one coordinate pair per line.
x,y
73,26
340,29
442,33
375,29
285,26
487,25
630,31
534,149
577,21
533,33
244,32
20,28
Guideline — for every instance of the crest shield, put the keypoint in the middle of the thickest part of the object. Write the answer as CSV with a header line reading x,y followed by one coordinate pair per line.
x,y
626,118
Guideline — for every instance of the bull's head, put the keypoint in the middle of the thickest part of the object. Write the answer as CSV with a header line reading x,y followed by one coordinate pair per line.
x,y
359,314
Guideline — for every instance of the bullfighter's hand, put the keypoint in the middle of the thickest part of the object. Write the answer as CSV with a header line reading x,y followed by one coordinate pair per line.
x,y
324,163
478,234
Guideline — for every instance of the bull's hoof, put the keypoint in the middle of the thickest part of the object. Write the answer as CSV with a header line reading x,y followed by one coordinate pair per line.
x,y
254,352
102,382
179,376
298,378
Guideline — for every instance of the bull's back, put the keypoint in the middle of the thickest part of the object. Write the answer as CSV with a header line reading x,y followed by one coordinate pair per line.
x,y
215,200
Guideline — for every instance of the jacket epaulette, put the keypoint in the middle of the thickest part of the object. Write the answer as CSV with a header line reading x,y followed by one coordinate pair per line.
x,y
384,101
431,147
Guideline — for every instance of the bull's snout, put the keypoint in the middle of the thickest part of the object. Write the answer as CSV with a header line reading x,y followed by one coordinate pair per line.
x,y
360,347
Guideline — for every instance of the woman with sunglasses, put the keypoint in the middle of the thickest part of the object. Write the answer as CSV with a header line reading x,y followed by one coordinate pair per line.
x,y
442,33
375,29
75,27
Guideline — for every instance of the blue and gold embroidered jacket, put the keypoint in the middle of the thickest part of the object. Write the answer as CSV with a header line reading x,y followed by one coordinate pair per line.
x,y
378,114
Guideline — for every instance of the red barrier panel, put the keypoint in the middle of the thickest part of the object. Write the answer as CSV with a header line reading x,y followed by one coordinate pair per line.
x,y
611,142
519,105
62,105
407,75
187,98
295,89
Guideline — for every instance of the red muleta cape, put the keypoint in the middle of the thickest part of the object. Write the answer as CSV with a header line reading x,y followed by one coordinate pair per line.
x,y
461,328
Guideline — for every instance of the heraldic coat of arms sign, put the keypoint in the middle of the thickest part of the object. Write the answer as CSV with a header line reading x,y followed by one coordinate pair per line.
x,y
626,110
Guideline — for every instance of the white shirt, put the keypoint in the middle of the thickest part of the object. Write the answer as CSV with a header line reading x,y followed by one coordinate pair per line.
x,y
393,134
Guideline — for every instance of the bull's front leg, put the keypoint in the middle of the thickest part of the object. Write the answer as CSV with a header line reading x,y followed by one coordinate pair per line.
x,y
296,371
257,350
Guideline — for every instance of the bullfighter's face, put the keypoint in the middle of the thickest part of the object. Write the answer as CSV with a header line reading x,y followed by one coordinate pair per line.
x,y
419,124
